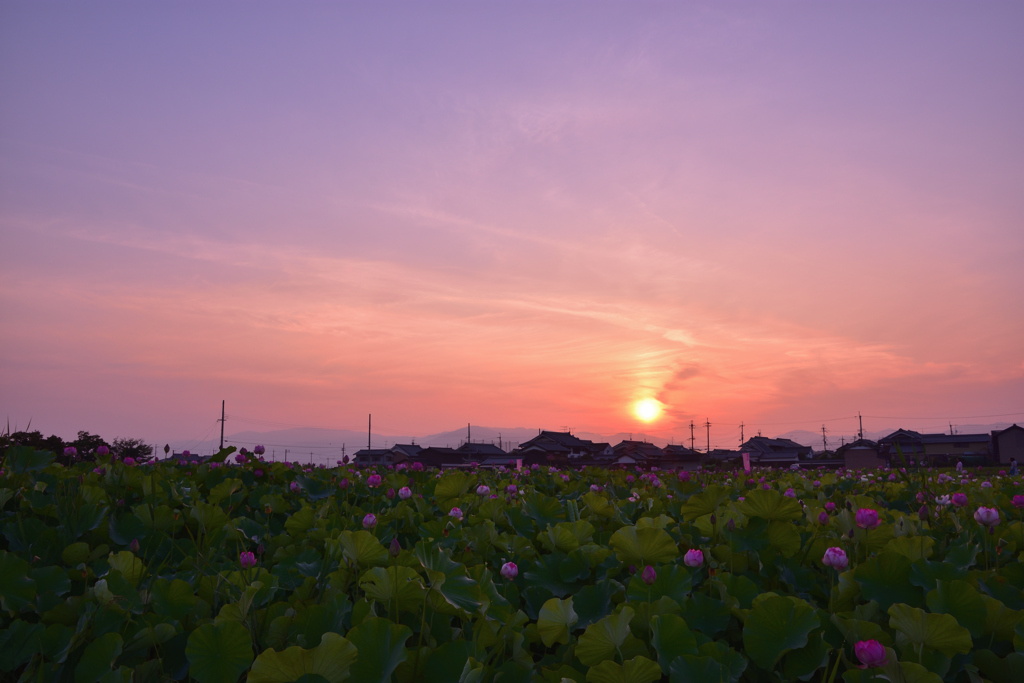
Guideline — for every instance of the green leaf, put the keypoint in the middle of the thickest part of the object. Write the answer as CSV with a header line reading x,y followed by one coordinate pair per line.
x,y
173,599
704,503
912,547
707,615
775,626
556,620
330,660
641,547
771,505
210,517
545,510
381,647
601,640
398,586
886,579
803,663
714,662
98,658
671,638
363,548
448,578
636,670
131,567
1009,669
22,459
300,522
594,602
784,537
960,599
18,643
219,652
447,662
17,590
938,632
672,581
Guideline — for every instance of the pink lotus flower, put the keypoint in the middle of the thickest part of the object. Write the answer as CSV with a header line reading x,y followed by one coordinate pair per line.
x,y
1018,502
986,516
693,558
766,487
294,487
373,481
509,570
823,518
790,493
630,479
129,461
684,476
871,653
867,518
369,521
405,493
512,489
102,450
835,558
343,484
816,483
417,467
456,513
483,490
70,452
247,560
241,457
830,506
259,450
648,575
959,499
258,473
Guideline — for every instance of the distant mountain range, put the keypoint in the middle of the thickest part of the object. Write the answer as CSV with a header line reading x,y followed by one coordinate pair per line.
x,y
327,445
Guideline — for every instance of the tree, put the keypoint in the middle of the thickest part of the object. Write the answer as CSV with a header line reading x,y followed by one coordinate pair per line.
x,y
131,448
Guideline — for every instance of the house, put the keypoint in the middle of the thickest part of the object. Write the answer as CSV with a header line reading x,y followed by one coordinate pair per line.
x,y
564,448
862,454
375,456
480,451
405,451
765,452
637,454
680,457
441,456
935,449
1008,443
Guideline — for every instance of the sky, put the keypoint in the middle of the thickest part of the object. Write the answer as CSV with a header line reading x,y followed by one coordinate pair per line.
x,y
510,214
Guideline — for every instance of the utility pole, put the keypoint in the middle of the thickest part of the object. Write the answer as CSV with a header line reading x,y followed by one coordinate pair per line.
x,y
950,431
741,434
369,429
824,439
691,435
707,423
860,421
469,433
221,420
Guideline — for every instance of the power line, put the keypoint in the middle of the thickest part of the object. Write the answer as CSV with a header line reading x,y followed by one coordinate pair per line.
x,y
946,417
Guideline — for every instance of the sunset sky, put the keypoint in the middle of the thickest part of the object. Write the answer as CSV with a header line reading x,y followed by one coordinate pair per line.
x,y
510,214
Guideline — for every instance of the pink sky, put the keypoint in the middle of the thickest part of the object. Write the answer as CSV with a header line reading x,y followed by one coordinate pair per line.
x,y
510,214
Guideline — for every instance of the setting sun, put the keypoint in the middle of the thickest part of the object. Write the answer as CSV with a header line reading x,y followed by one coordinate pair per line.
x,y
647,409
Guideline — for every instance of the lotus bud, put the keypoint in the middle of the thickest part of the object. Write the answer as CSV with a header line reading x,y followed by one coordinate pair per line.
x,y
867,518
730,525
987,516
693,558
396,547
871,653
343,484
456,513
509,570
390,494
1018,502
373,481
294,486
70,452
259,474
923,512
405,493
835,558
483,490
369,521
649,576
959,499
247,560
823,518
102,450
260,549
134,545
830,506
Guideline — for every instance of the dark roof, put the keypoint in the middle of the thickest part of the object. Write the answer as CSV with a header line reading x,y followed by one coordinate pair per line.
x,y
762,444
484,449
373,451
560,442
409,449
1013,427
901,435
954,438
858,444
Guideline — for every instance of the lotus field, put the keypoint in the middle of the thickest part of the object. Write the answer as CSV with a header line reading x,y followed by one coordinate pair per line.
x,y
238,569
